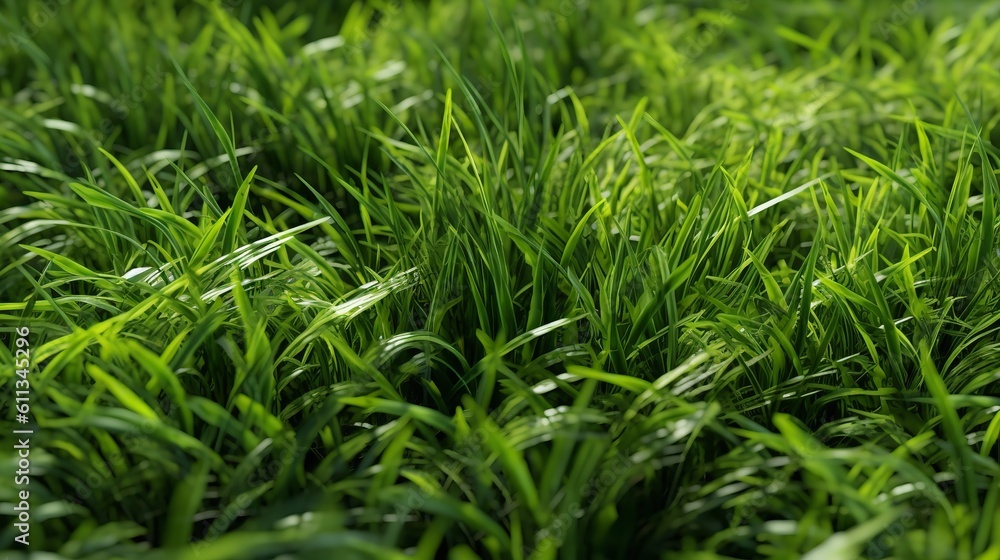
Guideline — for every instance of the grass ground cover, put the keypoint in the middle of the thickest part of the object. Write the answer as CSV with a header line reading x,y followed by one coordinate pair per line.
x,y
547,279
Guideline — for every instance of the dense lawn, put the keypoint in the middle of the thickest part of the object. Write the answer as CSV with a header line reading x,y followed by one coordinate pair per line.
x,y
540,279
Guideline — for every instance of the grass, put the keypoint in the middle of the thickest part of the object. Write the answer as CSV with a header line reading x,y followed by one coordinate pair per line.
x,y
547,280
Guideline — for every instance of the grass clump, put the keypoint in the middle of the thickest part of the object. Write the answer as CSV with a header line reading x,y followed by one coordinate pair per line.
x,y
547,280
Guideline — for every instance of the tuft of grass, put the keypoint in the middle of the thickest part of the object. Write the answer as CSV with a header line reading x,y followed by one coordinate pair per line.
x,y
543,280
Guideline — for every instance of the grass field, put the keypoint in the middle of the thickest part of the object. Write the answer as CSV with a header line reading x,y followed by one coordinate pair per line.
x,y
550,279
